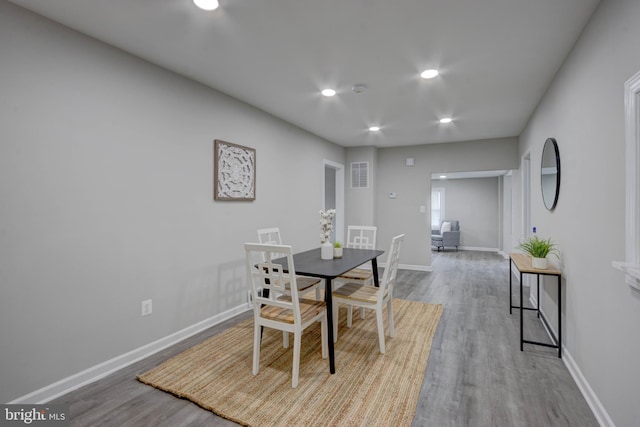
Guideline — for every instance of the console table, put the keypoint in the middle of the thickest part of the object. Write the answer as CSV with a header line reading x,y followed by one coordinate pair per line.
x,y
522,263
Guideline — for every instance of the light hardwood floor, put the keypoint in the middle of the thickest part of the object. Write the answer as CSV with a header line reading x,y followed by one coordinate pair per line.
x,y
476,374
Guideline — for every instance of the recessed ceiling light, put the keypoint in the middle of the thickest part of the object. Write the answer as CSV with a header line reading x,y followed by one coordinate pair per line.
x,y
443,176
359,88
207,4
445,120
374,128
429,74
328,92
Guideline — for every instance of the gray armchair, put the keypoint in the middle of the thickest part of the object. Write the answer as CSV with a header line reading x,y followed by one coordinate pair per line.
x,y
448,238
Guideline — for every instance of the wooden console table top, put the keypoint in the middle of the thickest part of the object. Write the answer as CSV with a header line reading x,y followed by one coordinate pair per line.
x,y
523,264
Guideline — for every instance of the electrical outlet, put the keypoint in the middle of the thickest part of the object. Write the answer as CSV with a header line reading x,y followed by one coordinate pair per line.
x,y
146,307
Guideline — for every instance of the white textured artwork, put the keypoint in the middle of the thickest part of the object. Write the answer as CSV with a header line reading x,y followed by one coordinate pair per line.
x,y
235,172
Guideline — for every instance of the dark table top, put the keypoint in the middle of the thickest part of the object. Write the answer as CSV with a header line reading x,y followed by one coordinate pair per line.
x,y
309,263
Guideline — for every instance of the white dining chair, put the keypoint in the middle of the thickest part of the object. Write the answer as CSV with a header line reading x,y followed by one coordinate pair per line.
x,y
359,237
271,236
282,309
371,297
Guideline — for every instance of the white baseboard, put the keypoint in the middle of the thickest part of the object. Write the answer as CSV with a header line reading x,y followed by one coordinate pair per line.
x,y
481,249
108,367
415,267
589,395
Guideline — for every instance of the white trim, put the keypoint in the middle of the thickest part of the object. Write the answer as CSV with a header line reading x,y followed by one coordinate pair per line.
x,y
590,396
413,267
631,267
339,223
101,370
478,248
525,185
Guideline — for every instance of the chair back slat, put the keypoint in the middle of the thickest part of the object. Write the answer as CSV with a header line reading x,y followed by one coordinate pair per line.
x,y
270,236
269,276
389,277
361,237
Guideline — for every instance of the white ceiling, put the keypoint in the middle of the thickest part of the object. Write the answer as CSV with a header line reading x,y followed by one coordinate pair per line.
x,y
496,58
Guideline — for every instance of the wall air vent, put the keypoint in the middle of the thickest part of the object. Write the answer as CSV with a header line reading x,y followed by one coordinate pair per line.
x,y
360,175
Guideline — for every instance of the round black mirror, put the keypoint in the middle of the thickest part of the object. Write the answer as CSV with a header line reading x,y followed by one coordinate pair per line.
x,y
550,173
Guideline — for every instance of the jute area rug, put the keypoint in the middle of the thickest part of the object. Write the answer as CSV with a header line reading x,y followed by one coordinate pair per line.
x,y
368,388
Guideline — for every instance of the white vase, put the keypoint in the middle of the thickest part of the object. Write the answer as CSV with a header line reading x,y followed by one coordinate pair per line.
x,y
326,250
539,263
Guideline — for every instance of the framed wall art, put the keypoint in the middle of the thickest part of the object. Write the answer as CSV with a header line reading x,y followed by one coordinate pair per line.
x,y
234,172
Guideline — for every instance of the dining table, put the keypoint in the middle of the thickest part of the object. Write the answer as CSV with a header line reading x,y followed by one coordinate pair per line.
x,y
309,263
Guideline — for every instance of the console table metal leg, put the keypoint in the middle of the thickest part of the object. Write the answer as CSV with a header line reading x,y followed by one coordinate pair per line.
x,y
521,317
559,316
538,296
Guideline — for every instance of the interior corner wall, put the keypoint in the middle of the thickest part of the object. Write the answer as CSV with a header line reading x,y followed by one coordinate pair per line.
x,y
412,186
106,189
584,110
360,203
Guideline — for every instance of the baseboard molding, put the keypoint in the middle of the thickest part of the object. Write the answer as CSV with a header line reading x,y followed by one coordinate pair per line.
x,y
589,395
415,267
108,367
480,249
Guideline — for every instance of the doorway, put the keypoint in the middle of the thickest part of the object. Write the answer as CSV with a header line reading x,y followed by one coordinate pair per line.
x,y
333,196
476,200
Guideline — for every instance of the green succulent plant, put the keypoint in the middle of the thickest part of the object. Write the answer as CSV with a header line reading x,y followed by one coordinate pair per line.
x,y
539,248
337,245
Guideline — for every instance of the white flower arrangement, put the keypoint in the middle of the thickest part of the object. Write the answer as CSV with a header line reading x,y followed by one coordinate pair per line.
x,y
326,224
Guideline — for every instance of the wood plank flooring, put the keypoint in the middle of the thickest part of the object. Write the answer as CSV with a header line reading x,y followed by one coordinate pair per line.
x,y
476,374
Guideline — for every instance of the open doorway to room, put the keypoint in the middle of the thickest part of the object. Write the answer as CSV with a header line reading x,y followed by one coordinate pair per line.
x,y
333,196
481,203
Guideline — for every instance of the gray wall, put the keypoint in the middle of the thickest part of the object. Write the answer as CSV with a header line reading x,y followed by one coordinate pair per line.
x,y
361,202
473,202
507,217
413,187
107,199
584,111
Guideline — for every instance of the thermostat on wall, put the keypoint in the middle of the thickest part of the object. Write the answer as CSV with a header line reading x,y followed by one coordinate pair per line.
x,y
392,195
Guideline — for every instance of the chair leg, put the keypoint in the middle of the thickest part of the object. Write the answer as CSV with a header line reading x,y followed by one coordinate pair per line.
x,y
285,339
380,320
362,312
297,342
256,348
336,308
349,315
392,329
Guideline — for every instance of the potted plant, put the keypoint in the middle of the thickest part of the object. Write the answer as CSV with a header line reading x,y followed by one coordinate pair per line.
x,y
337,250
539,249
